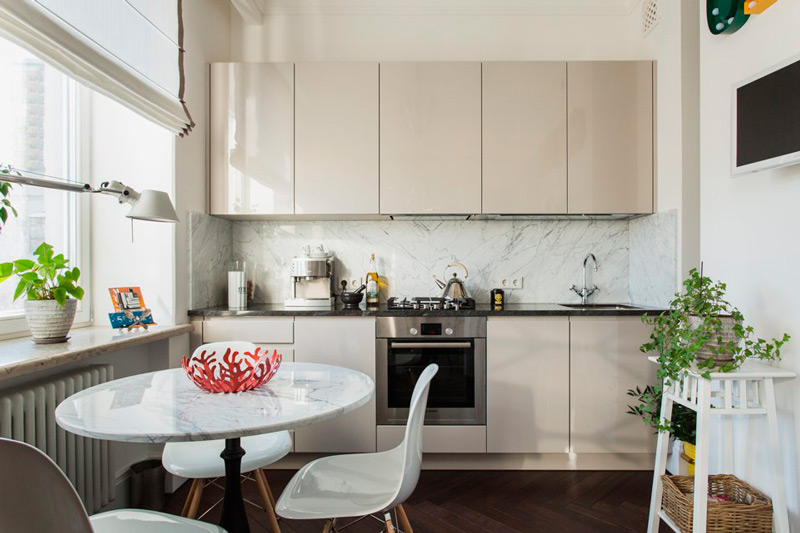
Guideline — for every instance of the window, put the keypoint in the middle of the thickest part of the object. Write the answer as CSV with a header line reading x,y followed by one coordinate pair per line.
x,y
39,133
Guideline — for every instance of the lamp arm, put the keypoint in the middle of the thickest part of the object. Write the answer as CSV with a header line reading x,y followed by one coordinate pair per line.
x,y
13,175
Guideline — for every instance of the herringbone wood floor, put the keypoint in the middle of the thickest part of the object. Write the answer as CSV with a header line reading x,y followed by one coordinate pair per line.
x,y
489,501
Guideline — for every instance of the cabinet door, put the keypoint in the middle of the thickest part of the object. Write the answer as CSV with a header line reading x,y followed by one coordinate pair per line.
x,y
606,363
336,158
610,137
251,139
430,144
525,137
527,369
347,342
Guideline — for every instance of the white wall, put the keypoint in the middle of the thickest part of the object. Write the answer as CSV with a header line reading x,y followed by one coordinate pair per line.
x,y
135,151
749,226
207,39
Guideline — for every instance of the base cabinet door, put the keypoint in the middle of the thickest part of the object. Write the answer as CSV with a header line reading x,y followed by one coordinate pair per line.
x,y
606,363
346,342
527,370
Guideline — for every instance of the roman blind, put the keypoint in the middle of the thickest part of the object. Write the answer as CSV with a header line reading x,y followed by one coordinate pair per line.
x,y
129,50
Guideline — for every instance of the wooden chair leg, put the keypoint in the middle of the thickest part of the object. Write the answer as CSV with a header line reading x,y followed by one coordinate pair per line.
x,y
389,526
198,493
328,526
403,519
261,481
188,502
266,483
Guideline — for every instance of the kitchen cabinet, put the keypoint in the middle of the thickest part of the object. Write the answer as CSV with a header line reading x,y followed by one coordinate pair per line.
x,y
437,439
610,137
336,138
346,342
525,137
605,363
251,139
255,330
527,369
430,138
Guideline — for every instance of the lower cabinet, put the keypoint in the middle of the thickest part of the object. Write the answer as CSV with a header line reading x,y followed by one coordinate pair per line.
x,y
347,342
527,367
606,362
437,439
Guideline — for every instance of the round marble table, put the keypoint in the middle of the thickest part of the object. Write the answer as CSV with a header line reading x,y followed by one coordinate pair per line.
x,y
165,406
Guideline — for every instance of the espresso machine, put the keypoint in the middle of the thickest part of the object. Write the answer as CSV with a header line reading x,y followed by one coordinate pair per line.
x,y
312,280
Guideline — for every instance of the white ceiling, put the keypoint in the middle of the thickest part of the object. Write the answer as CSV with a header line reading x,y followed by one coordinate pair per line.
x,y
441,7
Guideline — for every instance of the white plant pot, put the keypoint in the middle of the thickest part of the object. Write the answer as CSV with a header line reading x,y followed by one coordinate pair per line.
x,y
49,322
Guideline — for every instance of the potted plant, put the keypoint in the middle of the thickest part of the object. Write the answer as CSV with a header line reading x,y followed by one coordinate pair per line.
x,y
683,424
52,292
702,330
6,208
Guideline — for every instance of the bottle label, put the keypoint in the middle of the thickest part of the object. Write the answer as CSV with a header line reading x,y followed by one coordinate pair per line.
x,y
372,290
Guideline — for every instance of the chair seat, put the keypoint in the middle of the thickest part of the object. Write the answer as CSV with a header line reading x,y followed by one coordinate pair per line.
x,y
139,521
343,485
201,460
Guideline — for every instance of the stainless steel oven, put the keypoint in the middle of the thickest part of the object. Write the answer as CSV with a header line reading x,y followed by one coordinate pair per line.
x,y
406,345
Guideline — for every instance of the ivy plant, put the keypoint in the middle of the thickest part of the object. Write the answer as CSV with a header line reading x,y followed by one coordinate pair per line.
x,y
47,278
6,209
693,321
696,319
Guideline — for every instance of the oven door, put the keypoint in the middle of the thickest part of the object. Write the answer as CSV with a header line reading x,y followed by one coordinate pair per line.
x,y
458,391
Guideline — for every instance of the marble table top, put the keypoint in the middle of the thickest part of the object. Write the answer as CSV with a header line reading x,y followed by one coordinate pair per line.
x,y
165,406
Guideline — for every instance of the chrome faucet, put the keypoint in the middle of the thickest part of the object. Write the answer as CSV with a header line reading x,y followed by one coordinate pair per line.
x,y
586,290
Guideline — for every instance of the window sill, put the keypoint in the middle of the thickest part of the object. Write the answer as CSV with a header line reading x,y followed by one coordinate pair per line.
x,y
22,356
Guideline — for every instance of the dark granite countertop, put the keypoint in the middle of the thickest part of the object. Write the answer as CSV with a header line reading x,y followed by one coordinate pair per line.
x,y
482,310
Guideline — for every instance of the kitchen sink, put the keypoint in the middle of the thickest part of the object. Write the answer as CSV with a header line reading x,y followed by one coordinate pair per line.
x,y
601,307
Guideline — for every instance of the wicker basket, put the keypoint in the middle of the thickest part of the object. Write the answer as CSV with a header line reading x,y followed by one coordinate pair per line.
x,y
749,511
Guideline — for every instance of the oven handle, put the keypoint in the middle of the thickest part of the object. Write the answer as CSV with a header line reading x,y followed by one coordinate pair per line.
x,y
424,345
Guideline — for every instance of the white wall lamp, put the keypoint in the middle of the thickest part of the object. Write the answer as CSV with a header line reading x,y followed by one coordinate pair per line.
x,y
149,204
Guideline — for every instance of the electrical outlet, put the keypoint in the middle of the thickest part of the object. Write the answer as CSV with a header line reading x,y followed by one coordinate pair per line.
x,y
355,283
508,283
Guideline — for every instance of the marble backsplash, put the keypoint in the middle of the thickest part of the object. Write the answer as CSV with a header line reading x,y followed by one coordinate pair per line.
x,y
636,259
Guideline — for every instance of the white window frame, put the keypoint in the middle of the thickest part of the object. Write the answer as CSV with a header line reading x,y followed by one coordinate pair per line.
x,y
79,122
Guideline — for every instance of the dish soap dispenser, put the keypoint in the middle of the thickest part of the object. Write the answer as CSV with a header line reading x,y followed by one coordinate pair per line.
x,y
372,283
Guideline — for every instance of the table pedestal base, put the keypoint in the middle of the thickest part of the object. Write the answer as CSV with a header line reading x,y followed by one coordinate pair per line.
x,y
234,517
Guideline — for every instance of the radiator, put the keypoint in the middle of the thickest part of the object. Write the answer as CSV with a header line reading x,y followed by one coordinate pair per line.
x,y
28,415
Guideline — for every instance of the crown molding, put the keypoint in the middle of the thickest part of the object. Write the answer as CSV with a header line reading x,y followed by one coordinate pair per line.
x,y
446,7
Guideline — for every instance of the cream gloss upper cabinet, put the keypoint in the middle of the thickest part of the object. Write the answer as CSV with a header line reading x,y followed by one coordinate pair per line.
x,y
336,136
251,139
430,138
610,137
525,137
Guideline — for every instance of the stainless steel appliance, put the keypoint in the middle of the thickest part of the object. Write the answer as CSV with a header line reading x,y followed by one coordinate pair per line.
x,y
312,280
406,345
426,303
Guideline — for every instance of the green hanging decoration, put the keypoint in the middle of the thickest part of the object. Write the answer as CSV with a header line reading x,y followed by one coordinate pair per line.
x,y
725,16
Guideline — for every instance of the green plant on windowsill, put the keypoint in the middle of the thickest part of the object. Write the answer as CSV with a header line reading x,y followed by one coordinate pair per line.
x,y
703,331
6,209
51,290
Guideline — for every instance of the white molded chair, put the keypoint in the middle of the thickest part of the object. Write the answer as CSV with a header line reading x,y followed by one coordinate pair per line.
x,y
35,495
201,461
362,484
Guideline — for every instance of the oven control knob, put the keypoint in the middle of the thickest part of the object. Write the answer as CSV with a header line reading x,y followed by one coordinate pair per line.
x,y
413,331
449,331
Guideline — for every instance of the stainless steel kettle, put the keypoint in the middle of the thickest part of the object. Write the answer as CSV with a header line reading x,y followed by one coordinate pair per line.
x,y
454,288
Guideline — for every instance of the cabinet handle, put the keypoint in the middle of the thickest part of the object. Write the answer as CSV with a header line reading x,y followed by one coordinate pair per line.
x,y
424,345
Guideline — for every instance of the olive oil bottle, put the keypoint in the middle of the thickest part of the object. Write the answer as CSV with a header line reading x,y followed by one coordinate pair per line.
x,y
372,283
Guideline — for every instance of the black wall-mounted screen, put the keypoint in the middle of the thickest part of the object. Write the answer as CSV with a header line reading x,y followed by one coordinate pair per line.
x,y
768,116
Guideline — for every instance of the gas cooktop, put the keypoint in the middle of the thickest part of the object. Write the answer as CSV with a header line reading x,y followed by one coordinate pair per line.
x,y
427,303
